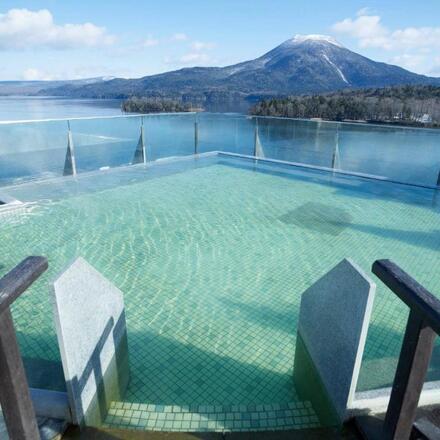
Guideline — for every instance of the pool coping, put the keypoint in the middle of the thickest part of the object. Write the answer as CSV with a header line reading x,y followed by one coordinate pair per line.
x,y
327,170
376,401
170,159
102,170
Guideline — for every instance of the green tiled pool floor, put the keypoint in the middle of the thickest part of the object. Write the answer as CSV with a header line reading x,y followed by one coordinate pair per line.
x,y
212,261
292,415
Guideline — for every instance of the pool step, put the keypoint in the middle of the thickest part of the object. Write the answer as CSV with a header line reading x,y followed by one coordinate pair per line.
x,y
211,418
74,433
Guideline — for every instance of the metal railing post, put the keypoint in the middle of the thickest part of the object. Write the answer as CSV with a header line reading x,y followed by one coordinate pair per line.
x,y
15,397
256,138
140,154
144,145
70,161
196,135
336,149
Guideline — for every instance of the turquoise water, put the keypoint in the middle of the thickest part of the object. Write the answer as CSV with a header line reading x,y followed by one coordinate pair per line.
x,y
212,255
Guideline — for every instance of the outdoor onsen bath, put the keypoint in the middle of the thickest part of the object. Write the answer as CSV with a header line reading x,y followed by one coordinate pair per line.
x,y
196,256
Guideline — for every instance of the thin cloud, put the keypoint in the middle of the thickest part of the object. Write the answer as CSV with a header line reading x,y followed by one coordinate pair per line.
x,y
364,11
33,74
409,61
190,59
150,42
180,36
78,72
198,54
200,45
195,57
25,29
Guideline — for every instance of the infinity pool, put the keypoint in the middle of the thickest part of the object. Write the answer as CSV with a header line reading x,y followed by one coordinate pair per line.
x,y
212,255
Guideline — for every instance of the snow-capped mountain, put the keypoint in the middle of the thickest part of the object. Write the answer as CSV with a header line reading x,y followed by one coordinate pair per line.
x,y
302,64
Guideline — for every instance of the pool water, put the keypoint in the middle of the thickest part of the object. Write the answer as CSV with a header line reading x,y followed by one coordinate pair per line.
x,y
212,255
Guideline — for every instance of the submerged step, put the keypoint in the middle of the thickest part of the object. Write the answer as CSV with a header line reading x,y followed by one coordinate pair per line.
x,y
220,418
74,433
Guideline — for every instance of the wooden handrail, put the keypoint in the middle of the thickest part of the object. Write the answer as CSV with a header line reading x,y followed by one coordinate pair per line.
x,y
413,294
13,284
422,327
15,399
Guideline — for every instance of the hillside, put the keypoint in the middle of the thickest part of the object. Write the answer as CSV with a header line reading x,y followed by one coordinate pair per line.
x,y
407,105
8,88
303,64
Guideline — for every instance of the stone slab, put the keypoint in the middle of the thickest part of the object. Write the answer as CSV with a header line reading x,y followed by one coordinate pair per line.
x,y
333,323
91,330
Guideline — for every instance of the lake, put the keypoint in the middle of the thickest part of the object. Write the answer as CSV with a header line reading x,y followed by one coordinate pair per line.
x,y
38,149
18,108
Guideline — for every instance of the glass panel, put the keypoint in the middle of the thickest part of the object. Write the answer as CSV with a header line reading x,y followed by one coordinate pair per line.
x,y
32,150
434,365
169,135
234,134
402,154
307,142
384,340
384,343
105,142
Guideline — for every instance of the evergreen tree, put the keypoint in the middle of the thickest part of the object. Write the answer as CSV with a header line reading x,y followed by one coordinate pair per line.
x,y
403,105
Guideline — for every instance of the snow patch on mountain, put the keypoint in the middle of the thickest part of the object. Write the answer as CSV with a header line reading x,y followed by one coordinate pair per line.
x,y
259,63
297,39
336,68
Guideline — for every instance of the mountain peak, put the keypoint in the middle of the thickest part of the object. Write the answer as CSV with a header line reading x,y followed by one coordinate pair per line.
x,y
298,39
302,64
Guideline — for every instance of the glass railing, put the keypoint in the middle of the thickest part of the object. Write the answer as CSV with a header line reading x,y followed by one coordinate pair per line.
x,y
41,149
101,143
32,149
44,149
297,141
233,134
169,135
409,155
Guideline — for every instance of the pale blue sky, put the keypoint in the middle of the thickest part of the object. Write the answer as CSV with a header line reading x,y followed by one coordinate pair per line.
x,y
77,39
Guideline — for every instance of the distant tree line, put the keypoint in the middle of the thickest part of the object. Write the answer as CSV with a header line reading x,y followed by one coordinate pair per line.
x,y
408,105
155,105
